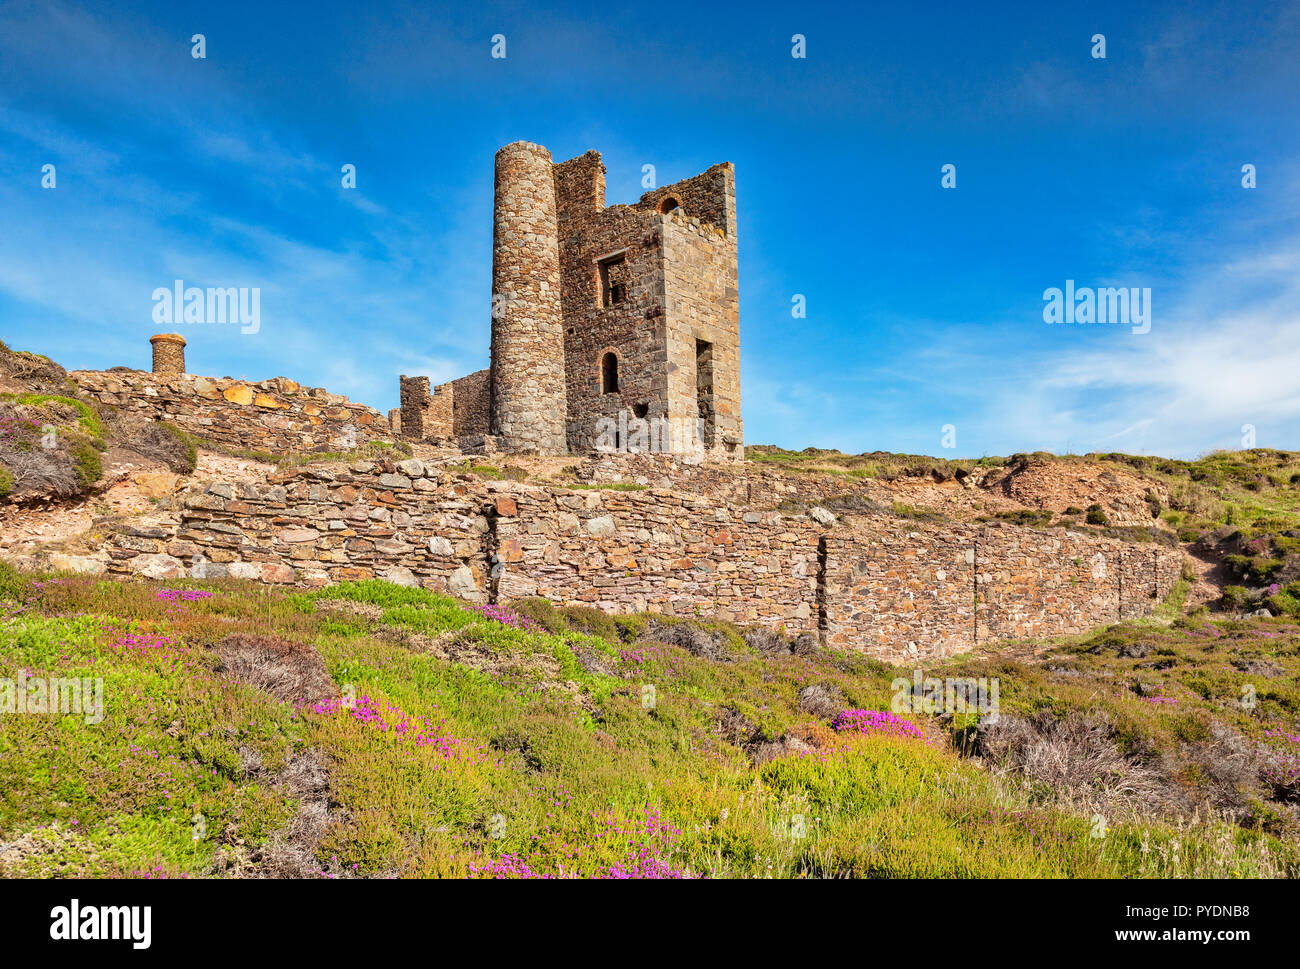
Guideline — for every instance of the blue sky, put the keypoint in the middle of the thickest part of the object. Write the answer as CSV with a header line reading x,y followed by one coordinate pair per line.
x,y
924,305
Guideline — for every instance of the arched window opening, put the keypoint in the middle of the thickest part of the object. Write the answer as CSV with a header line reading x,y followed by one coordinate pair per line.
x,y
609,373
668,204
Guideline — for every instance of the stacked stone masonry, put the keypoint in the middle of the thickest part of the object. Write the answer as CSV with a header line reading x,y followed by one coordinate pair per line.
x,y
168,353
613,327
528,393
891,588
277,415
896,590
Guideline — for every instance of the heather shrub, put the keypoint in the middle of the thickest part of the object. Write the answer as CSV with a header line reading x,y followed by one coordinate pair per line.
x,y
1076,755
593,622
1282,603
876,722
822,700
49,446
163,443
1235,596
712,641
291,672
87,463
543,612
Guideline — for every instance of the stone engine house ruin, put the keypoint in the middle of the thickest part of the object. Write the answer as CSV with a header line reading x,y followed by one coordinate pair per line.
x,y
604,317
614,328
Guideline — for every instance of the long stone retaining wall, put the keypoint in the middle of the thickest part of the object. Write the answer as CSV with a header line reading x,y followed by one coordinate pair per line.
x,y
896,590
884,586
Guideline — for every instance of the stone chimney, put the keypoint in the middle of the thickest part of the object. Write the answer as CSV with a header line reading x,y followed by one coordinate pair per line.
x,y
168,353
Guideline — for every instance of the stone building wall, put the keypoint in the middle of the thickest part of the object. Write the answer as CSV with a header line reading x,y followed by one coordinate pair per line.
x,y
890,588
276,415
681,287
472,404
703,330
631,329
709,197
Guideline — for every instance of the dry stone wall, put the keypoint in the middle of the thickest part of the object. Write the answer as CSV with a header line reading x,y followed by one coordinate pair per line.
x,y
659,551
899,590
277,415
891,588
317,526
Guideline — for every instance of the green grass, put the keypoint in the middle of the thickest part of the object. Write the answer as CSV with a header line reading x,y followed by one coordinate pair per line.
x,y
1257,490
88,419
878,464
560,750
189,443
121,797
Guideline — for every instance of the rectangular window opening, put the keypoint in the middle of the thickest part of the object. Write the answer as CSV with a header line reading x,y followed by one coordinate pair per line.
x,y
613,280
704,391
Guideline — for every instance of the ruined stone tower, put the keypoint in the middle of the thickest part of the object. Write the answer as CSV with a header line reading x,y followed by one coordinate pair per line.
x,y
613,327
528,399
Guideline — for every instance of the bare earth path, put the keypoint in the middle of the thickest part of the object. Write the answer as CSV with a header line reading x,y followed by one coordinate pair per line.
x,y
1210,576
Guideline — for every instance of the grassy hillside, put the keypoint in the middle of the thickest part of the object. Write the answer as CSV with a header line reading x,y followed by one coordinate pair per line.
x,y
371,730
1254,489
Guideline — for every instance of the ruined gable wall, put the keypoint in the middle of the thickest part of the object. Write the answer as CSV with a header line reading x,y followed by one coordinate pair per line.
x,y
426,415
472,403
414,394
579,188
709,197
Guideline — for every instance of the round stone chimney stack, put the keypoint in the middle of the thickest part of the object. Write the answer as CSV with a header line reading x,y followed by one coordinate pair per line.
x,y
168,353
529,409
